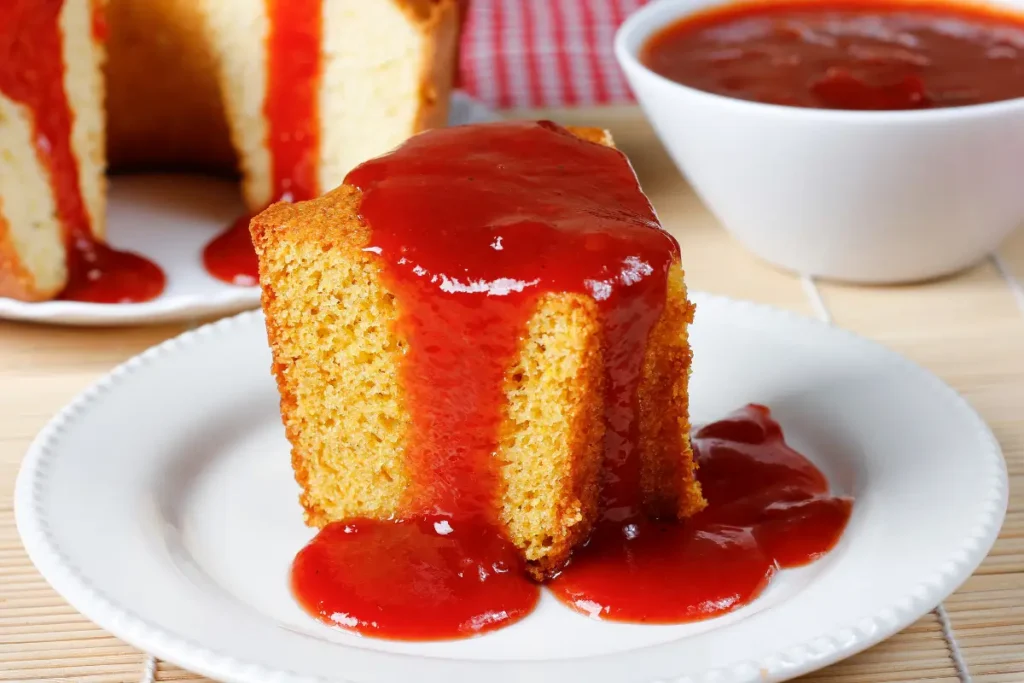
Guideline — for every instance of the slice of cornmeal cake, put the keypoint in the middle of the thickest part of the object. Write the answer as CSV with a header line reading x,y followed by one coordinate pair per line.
x,y
338,345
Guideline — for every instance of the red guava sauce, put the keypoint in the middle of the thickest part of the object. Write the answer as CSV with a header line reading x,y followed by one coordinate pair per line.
x,y
420,578
847,54
769,508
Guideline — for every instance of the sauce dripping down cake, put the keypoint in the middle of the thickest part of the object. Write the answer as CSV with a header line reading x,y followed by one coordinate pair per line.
x,y
483,326
480,342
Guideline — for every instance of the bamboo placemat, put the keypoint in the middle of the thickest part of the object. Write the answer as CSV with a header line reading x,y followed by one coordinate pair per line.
x,y
968,329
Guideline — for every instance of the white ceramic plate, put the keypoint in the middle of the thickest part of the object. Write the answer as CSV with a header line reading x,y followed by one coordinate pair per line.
x,y
169,219
161,504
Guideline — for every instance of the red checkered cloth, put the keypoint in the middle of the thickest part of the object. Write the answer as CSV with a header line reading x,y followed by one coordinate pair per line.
x,y
543,53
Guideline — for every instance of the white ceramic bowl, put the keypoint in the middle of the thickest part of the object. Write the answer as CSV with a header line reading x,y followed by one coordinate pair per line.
x,y
871,197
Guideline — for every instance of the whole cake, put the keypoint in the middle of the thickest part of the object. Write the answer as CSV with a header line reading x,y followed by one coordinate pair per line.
x,y
296,92
487,323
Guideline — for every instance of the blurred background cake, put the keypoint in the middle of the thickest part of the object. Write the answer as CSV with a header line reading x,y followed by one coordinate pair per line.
x,y
291,93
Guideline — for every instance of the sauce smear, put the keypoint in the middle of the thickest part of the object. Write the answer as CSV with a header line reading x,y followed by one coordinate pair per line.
x,y
473,224
768,508
101,275
290,107
32,74
230,256
420,578
847,54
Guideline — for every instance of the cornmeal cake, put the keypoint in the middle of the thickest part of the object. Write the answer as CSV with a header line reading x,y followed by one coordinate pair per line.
x,y
347,336
197,84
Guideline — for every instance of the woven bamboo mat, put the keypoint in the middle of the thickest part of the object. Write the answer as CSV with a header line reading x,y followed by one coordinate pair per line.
x,y
968,329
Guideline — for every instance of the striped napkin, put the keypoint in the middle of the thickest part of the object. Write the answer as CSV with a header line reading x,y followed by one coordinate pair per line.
x,y
543,53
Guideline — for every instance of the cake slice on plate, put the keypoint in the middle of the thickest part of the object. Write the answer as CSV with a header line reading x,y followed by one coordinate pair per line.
x,y
437,355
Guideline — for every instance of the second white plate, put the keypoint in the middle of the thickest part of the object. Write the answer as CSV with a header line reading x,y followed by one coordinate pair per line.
x,y
161,504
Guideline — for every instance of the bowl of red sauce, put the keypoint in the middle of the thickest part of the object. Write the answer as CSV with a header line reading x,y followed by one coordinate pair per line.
x,y
872,141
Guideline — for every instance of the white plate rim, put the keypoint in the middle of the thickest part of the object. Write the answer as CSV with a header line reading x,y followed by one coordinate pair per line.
x,y
160,310
182,307
33,527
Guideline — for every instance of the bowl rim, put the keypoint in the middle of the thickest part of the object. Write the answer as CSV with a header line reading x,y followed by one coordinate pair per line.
x,y
639,26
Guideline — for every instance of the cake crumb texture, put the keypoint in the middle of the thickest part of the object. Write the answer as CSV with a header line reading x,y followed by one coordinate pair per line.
x,y
551,448
668,468
331,326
